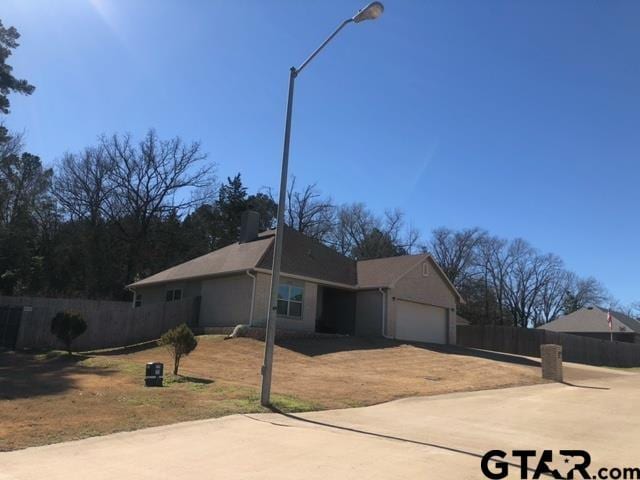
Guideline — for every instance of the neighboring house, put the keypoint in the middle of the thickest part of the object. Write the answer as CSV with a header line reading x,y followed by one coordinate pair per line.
x,y
406,297
592,322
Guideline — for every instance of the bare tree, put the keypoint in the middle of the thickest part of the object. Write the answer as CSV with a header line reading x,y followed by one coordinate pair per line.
x,y
308,212
530,273
496,261
582,292
457,252
149,180
362,234
552,296
83,184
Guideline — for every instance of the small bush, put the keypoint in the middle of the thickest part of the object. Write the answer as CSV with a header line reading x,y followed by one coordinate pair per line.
x,y
180,341
67,326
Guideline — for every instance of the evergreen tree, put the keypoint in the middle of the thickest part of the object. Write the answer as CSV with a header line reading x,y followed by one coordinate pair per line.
x,y
232,201
8,83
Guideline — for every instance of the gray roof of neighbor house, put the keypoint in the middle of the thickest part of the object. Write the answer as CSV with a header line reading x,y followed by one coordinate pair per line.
x,y
593,320
303,256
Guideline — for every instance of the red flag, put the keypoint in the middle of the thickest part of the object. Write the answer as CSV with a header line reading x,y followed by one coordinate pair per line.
x,y
609,320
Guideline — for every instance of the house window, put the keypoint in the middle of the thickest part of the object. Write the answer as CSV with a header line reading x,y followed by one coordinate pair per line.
x,y
174,295
138,301
290,301
425,269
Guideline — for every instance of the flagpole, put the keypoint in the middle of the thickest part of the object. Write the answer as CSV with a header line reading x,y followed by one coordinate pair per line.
x,y
610,322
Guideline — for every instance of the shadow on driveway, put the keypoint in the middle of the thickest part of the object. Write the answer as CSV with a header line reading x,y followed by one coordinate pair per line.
x,y
381,435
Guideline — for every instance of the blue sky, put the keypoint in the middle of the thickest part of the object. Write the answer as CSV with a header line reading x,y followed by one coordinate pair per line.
x,y
519,117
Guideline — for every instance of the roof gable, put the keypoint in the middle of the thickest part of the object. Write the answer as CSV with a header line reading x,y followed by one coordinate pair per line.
x,y
385,272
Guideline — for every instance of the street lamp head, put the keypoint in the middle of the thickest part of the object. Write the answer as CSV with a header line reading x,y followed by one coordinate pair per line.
x,y
370,12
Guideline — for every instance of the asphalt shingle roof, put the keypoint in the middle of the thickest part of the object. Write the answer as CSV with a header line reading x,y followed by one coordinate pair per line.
x,y
593,320
381,272
232,258
302,256
307,257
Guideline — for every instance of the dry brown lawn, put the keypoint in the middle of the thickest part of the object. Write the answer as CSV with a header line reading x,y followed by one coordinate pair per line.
x,y
51,398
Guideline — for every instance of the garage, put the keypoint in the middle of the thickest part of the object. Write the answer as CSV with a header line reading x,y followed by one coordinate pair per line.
x,y
419,322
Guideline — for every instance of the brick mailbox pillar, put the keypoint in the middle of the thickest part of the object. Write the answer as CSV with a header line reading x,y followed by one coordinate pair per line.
x,y
551,361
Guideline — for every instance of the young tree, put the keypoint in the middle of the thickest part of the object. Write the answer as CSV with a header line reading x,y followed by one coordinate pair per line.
x,y
67,326
180,341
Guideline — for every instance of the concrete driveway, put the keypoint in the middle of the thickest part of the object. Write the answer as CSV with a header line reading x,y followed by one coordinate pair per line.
x,y
439,437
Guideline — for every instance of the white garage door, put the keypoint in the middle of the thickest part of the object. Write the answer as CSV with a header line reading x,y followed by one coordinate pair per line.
x,y
421,323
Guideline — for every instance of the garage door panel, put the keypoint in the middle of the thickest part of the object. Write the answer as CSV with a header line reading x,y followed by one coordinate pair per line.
x,y
421,323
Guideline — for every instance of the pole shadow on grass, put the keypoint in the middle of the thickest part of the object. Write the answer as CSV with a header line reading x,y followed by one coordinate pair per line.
x,y
275,409
138,347
188,379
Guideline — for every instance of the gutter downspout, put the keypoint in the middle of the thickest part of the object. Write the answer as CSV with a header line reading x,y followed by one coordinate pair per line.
x,y
253,296
384,313
135,294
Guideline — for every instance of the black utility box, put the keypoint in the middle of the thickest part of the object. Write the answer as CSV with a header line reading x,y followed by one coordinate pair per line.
x,y
153,374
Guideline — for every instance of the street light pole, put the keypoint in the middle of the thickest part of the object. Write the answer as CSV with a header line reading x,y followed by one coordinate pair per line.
x,y
270,333
370,12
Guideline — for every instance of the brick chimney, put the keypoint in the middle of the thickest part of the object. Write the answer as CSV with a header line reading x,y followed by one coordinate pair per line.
x,y
248,226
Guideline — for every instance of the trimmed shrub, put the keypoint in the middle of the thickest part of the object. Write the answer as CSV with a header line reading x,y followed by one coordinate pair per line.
x,y
67,326
180,341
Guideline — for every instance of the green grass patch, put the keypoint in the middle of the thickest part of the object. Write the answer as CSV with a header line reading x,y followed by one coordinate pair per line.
x,y
290,404
136,369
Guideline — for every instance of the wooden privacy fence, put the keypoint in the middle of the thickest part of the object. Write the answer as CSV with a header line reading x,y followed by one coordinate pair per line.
x,y
525,341
109,324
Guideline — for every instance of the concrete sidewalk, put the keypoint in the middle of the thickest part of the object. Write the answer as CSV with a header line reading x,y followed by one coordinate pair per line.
x,y
440,437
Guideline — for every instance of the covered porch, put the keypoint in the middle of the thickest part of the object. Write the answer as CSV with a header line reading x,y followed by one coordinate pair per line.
x,y
336,311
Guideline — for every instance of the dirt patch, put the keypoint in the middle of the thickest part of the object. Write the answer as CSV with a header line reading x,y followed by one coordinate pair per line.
x,y
50,398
